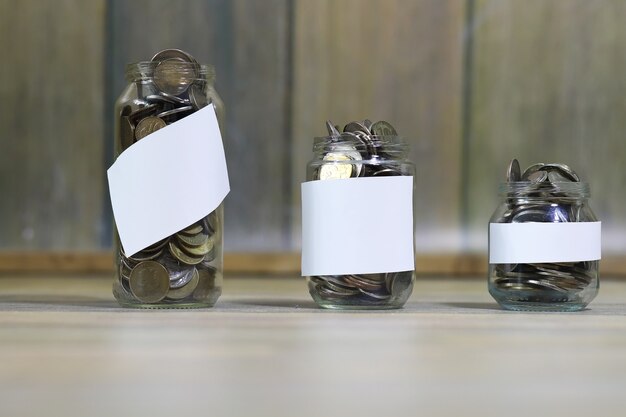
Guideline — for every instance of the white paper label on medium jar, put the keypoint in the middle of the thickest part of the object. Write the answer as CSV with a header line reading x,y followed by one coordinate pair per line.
x,y
511,243
357,226
168,180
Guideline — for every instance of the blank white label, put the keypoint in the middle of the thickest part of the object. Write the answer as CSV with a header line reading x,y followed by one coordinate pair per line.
x,y
544,242
168,180
357,226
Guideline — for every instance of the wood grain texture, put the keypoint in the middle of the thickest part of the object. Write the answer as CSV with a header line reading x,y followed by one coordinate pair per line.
x,y
265,350
51,127
548,86
247,42
394,60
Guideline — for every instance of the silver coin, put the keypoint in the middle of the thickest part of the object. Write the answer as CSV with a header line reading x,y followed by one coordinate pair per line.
x,y
197,97
514,173
332,131
173,54
564,171
185,290
175,111
538,176
531,169
181,278
174,76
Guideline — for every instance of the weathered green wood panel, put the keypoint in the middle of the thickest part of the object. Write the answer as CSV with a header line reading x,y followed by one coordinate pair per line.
x,y
247,41
51,124
386,59
548,84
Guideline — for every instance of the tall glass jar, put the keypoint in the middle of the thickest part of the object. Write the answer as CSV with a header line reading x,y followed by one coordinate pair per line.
x,y
183,270
544,247
359,155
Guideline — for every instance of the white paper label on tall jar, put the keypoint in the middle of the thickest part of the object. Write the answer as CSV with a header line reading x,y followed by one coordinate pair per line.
x,y
511,243
357,226
168,180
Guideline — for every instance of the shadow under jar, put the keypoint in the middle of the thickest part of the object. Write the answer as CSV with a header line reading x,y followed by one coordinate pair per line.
x,y
349,155
567,285
183,270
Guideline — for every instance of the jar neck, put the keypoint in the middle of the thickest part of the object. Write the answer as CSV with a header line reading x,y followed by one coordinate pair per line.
x,y
144,71
388,147
545,191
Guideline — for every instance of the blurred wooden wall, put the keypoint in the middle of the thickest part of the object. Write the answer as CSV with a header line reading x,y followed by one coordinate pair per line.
x,y
471,83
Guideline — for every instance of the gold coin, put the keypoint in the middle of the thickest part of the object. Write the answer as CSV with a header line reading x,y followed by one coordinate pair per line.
x,y
147,126
185,258
149,282
191,230
198,250
193,240
186,290
334,171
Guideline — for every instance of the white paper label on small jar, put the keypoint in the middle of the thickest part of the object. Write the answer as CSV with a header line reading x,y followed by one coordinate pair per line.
x,y
511,243
168,180
357,226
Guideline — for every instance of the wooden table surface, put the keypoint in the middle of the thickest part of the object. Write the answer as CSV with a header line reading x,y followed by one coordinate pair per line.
x,y
67,349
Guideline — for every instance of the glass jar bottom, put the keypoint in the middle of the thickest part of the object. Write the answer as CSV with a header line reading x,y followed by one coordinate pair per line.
x,y
547,301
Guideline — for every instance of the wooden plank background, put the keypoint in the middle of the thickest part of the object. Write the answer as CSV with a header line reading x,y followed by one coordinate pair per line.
x,y
470,83
51,124
547,84
247,41
393,60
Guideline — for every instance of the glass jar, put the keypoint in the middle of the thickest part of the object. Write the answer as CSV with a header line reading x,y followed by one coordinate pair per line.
x,y
350,156
544,247
185,269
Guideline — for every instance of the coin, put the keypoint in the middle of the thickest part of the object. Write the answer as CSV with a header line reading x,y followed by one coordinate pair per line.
x,y
355,127
174,76
182,256
147,126
186,290
173,54
142,112
175,111
332,130
192,229
180,278
383,128
198,250
514,173
197,97
538,176
193,240
337,169
207,280
149,282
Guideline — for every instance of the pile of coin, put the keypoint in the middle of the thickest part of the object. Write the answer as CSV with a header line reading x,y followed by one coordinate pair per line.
x,y
360,150
543,193
363,288
360,141
175,269
171,89
182,267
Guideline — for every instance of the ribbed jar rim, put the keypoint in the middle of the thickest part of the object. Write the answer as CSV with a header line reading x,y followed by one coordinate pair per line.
x,y
384,143
144,70
527,189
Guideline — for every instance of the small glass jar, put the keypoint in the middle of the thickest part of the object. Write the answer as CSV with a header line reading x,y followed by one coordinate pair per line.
x,y
183,270
545,285
350,156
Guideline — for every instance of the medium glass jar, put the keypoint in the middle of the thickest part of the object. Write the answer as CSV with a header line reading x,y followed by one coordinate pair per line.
x,y
544,247
185,269
352,155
